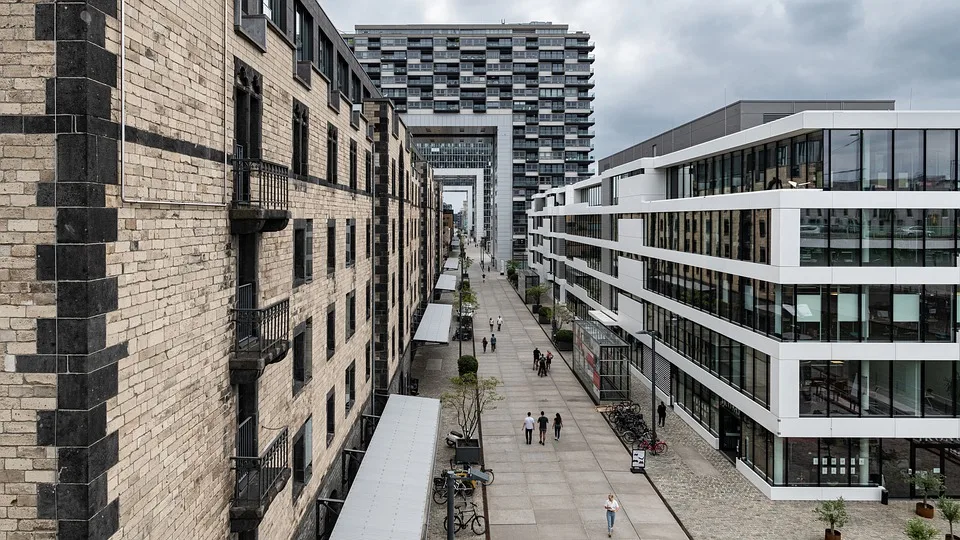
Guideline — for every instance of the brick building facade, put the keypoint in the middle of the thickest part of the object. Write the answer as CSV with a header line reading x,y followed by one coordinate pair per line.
x,y
215,241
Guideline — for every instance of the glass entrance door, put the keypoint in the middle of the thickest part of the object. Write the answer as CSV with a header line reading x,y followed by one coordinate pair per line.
x,y
730,426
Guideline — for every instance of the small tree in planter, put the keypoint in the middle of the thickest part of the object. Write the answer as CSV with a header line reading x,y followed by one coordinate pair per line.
x,y
950,512
927,483
534,294
834,514
563,315
469,397
546,314
918,529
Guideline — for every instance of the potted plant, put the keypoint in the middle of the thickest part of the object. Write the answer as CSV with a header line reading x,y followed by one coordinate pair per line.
x,y
469,398
918,529
534,294
950,512
926,482
467,364
563,340
834,514
546,314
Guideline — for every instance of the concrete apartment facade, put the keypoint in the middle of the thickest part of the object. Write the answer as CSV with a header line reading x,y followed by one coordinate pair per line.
x,y
178,361
802,277
525,87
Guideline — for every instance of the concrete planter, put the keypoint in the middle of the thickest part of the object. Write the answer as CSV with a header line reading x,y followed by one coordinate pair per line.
x,y
467,451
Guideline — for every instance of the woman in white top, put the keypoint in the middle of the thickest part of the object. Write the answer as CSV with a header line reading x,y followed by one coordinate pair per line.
x,y
612,507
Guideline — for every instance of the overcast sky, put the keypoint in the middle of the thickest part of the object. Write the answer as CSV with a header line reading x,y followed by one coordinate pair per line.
x,y
661,63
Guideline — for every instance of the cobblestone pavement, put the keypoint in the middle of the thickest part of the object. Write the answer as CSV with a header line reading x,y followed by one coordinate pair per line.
x,y
435,365
715,502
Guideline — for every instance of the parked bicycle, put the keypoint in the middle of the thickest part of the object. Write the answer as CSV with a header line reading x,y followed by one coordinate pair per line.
x,y
654,447
461,488
461,469
466,515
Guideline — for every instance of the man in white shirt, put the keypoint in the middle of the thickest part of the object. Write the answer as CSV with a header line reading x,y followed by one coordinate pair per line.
x,y
528,423
612,507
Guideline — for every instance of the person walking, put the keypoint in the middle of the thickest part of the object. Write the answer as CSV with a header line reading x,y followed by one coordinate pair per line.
x,y
536,358
493,343
661,414
542,366
557,425
499,322
528,427
544,422
491,324
549,360
612,507
484,343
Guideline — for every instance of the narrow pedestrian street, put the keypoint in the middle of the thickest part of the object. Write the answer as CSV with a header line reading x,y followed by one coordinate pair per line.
x,y
554,491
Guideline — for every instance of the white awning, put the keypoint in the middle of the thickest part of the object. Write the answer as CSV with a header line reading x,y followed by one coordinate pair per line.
x,y
390,496
447,282
435,324
451,264
602,317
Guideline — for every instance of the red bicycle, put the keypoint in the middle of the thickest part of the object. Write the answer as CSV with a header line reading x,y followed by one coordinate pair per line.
x,y
654,448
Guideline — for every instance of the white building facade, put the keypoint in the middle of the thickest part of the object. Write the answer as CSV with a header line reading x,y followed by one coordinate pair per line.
x,y
802,275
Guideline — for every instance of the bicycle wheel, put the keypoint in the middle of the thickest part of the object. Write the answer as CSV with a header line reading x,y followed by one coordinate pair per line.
x,y
439,495
629,436
457,523
660,447
478,524
490,474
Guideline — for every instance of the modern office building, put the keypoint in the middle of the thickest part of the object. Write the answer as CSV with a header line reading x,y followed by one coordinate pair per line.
x,y
802,276
524,89
176,362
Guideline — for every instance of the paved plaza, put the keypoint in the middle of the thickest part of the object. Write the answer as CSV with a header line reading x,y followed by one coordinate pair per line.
x,y
556,491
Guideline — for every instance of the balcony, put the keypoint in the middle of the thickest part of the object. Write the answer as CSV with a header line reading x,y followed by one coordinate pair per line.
x,y
262,335
258,478
260,196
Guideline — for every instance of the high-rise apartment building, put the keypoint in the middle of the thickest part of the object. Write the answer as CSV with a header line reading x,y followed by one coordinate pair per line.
x,y
217,239
527,88
800,272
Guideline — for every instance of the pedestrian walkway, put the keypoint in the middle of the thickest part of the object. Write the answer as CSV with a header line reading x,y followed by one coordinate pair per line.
x,y
555,491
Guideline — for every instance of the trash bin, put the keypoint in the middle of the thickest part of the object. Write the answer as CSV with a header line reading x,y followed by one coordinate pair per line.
x,y
884,496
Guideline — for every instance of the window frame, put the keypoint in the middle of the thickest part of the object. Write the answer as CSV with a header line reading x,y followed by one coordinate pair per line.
x,y
331,330
304,332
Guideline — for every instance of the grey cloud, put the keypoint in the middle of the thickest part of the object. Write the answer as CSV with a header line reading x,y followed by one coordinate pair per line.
x,y
661,63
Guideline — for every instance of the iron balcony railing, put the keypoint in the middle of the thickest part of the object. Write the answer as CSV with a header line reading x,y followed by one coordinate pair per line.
x,y
259,330
255,475
260,184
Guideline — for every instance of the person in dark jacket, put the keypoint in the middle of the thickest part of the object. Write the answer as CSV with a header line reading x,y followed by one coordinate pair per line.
x,y
557,424
484,343
661,414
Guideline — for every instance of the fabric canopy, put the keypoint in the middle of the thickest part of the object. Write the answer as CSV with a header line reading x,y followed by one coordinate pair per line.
x,y
446,282
435,324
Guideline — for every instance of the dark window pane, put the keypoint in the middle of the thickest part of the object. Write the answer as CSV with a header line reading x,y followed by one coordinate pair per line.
x,y
941,160
908,159
877,159
877,237
940,242
845,160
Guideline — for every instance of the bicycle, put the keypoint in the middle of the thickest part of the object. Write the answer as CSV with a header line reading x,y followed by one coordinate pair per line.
x,y
461,469
476,522
461,488
654,448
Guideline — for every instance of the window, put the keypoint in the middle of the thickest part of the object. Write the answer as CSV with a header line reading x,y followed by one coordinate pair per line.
x,y
351,257
332,156
331,246
393,289
302,355
301,137
331,330
351,317
302,251
248,120
303,34
343,77
331,418
353,164
350,386
393,235
369,242
302,457
275,10
367,292
326,56
368,169
367,362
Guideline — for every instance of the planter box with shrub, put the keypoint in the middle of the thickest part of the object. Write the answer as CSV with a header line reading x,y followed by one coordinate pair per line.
x,y
544,315
563,340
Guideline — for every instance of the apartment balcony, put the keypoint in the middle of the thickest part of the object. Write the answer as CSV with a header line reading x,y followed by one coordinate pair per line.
x,y
259,478
262,335
260,196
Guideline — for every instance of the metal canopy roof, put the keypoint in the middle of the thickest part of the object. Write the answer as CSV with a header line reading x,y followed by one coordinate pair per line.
x,y
447,282
390,496
435,324
602,317
451,264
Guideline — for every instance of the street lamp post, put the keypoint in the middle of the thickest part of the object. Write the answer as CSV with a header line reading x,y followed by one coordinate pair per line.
x,y
653,378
